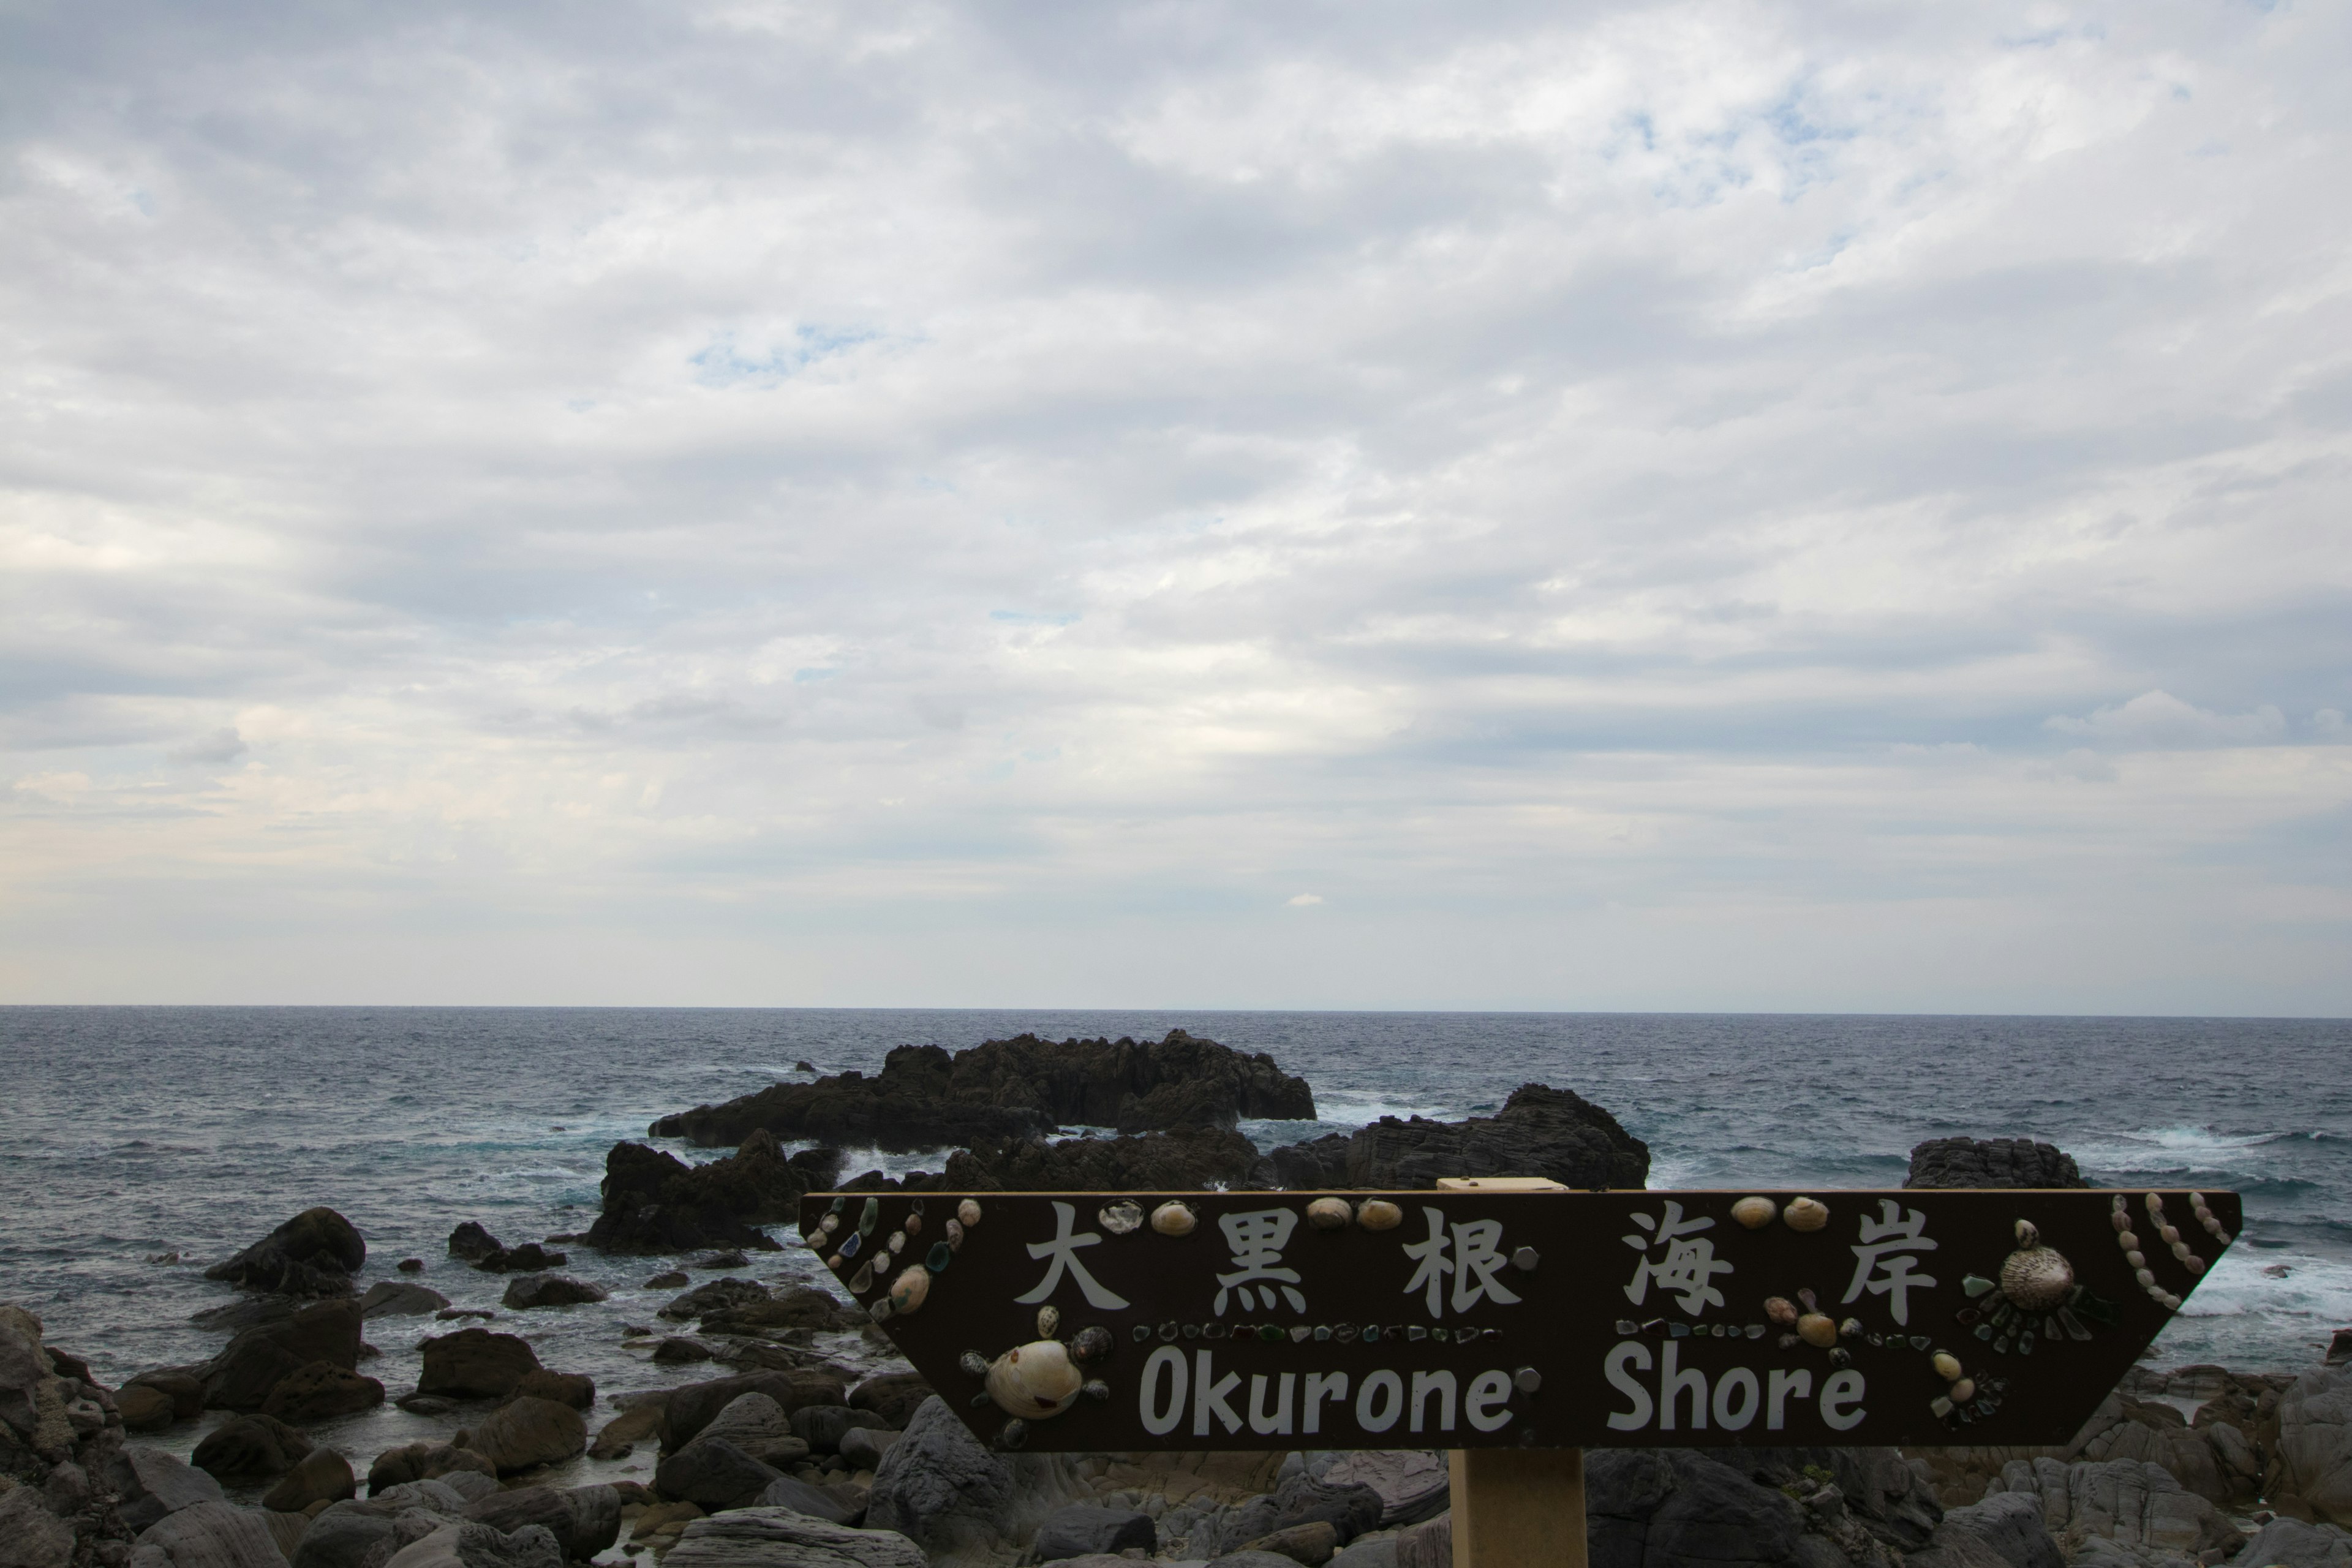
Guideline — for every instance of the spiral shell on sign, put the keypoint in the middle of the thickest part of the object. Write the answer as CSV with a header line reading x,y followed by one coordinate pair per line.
x,y
1034,1382
2035,1278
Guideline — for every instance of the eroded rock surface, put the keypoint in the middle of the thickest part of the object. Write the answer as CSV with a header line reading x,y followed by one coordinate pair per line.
x,y
655,1202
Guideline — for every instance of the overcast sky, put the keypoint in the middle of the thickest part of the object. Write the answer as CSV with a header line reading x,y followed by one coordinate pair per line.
x,y
1683,507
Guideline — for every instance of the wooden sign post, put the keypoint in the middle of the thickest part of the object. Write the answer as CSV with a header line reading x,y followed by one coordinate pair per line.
x,y
1517,1327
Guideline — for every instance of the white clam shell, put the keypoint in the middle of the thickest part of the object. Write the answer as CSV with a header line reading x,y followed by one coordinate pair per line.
x,y
1034,1382
1174,1218
1805,1214
1379,1213
1754,1213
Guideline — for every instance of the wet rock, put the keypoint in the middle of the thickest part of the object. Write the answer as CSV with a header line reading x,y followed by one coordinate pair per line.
x,y
1540,1131
893,1395
525,1432
251,1366
151,1483
862,1448
1669,1505
820,1168
624,1432
2006,1526
787,1306
668,1279
782,1538
714,1296
713,1474
655,1202
2291,1543
399,1299
732,1257
1412,1486
425,1404
576,1389
321,1476
1014,1089
2131,1502
531,1291
529,1259
680,1349
319,1392
938,1487
467,1544
1188,1157
585,1521
209,1535
144,1409
1311,1545
425,1462
687,1410
250,1449
788,1492
473,1242
182,1385
411,1265
1991,1163
1084,1529
314,1254
821,1426
475,1363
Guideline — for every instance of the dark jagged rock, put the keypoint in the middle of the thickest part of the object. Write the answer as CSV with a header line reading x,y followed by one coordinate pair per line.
x,y
1761,1506
1540,1131
314,1254
530,1258
321,1392
529,1292
926,1099
655,1202
1991,1163
250,1449
819,1168
893,1395
473,1242
252,1365
1154,1162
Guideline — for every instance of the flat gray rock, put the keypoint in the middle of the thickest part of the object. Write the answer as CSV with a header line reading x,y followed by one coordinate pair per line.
x,y
210,1535
2291,1543
779,1538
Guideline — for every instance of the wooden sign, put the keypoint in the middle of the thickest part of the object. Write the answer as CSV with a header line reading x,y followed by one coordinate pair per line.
x,y
1471,1318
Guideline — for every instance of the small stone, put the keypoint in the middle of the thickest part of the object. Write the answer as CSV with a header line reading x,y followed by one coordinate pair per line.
x,y
974,1363
1851,1329
1841,1356
897,1242
1963,1391
829,1224
1096,1389
953,1233
836,1263
913,1224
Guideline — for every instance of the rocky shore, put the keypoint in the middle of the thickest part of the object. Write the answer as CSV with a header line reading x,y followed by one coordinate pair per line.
x,y
794,1457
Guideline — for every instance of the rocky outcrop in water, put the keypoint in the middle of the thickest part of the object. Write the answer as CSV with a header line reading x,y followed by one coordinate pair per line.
x,y
1991,1163
1540,1131
655,1202
249,1369
1189,1157
926,1099
314,1254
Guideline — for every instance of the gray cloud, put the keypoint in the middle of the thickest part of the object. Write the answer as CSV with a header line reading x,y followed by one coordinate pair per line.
x,y
1670,506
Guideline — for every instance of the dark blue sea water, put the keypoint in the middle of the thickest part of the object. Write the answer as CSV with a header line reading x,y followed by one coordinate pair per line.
x,y
130,1133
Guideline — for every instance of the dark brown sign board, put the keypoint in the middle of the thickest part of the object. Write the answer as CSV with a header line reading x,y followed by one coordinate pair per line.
x,y
1127,1322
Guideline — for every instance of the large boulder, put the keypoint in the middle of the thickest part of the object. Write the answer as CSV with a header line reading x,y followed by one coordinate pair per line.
x,y
365,1534
1991,1163
822,1426
320,1392
685,1411
1083,1529
314,1254
526,1432
786,1307
424,1461
399,1299
2311,1461
250,1449
475,1363
789,1491
713,1296
2128,1502
1413,1484
781,1538
250,1367
2291,1543
151,1483
30,1535
1348,1508
1015,1089
528,1292
714,1474
2009,1529
320,1475
583,1519
1187,1157
209,1535
893,1395
1540,1131
939,1488
655,1202
468,1544
576,1389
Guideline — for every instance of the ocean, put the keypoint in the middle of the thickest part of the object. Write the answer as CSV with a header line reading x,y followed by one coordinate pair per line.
x,y
130,1134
